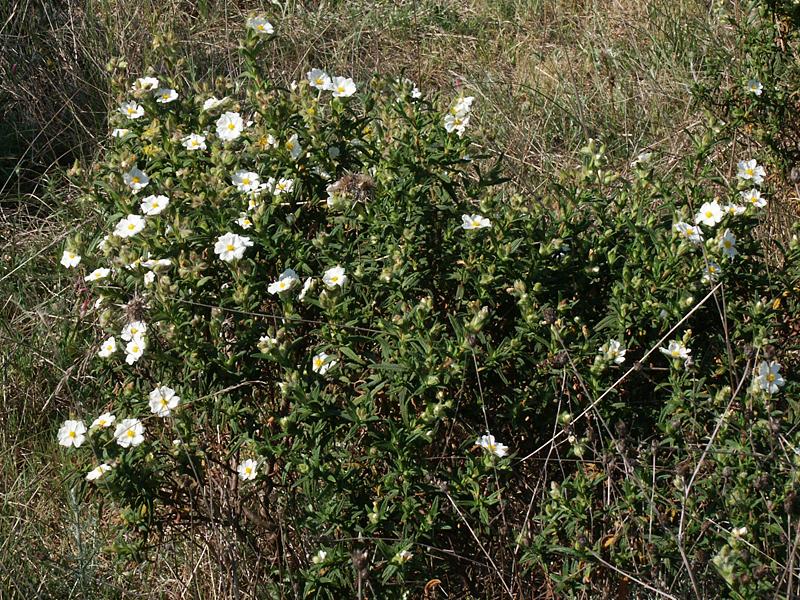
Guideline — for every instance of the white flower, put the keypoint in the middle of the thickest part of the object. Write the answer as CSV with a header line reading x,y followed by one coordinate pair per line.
x,y
260,25
149,278
103,421
152,263
267,343
165,95
136,179
229,126
248,470
738,532
98,472
457,123
129,432
212,103
98,274
322,363
307,285
461,106
754,87
152,205
133,330
134,350
710,214
147,84
613,351
231,246
319,557
334,276
163,400
643,157
734,210
286,281
402,557
72,433
293,146
244,221
342,87
728,244
246,181
768,378
750,170
693,233
319,79
119,132
108,347
132,110
676,349
129,226
488,443
283,186
474,222
711,272
194,141
70,259
753,198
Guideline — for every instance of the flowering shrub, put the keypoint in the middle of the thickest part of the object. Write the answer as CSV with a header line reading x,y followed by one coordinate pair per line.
x,y
325,328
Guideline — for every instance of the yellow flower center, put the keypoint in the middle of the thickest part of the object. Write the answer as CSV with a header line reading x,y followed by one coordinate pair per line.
x,y
750,172
476,223
231,126
164,402
131,433
101,423
771,377
246,181
676,353
335,279
135,179
248,470
135,349
72,434
131,226
230,247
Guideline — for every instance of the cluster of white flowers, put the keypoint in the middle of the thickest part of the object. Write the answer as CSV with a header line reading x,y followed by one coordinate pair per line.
x,y
457,117
341,87
712,213
134,334
128,433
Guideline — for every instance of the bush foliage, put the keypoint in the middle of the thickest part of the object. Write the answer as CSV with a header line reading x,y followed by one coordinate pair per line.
x,y
621,341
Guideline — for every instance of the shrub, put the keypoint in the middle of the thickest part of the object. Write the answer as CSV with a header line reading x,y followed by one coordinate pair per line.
x,y
347,342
